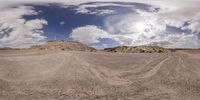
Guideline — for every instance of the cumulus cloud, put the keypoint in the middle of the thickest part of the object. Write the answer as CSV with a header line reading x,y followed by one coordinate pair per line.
x,y
107,8
89,34
16,32
150,27
185,15
178,41
193,26
138,27
92,34
86,9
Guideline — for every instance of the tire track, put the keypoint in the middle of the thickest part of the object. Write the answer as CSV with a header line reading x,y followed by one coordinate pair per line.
x,y
101,73
42,74
154,70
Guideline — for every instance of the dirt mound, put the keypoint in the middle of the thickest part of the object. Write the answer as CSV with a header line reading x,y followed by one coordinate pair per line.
x,y
64,45
137,49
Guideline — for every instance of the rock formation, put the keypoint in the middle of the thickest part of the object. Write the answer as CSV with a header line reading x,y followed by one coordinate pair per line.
x,y
64,45
137,49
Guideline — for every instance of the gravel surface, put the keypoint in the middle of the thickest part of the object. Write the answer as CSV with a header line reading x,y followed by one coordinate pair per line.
x,y
71,75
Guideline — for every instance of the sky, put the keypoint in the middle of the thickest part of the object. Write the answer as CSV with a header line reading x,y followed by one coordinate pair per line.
x,y
101,23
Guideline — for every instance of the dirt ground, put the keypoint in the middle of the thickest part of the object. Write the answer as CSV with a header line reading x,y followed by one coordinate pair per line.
x,y
73,75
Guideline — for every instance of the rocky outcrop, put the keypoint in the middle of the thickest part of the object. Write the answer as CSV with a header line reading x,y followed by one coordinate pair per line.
x,y
137,49
64,45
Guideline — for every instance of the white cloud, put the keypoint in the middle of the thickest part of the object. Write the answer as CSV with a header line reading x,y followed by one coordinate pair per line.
x,y
62,23
86,8
180,41
83,9
193,26
131,29
146,27
164,3
89,34
103,12
23,33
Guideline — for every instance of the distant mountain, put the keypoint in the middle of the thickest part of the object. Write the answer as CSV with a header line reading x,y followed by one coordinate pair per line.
x,y
64,45
137,49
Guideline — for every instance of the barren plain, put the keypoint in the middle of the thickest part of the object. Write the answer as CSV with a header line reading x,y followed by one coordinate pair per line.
x,y
77,75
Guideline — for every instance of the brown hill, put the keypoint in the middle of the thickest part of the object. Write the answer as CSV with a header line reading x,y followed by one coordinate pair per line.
x,y
137,49
64,45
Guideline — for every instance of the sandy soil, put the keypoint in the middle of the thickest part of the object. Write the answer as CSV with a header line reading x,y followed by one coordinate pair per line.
x,y
74,75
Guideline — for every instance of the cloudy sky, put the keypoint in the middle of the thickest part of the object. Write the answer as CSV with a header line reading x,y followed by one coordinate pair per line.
x,y
101,23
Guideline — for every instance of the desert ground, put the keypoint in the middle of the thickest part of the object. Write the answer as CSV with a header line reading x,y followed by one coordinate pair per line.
x,y
76,75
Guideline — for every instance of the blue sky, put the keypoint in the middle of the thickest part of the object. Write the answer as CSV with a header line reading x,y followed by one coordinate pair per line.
x,y
101,24
55,14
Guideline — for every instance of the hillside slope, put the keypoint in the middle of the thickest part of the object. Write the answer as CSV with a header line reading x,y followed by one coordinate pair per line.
x,y
64,45
137,49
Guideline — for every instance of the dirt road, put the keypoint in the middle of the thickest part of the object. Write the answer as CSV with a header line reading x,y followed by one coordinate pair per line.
x,y
100,76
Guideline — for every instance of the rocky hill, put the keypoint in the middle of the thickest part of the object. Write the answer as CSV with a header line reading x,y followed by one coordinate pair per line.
x,y
137,49
64,45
